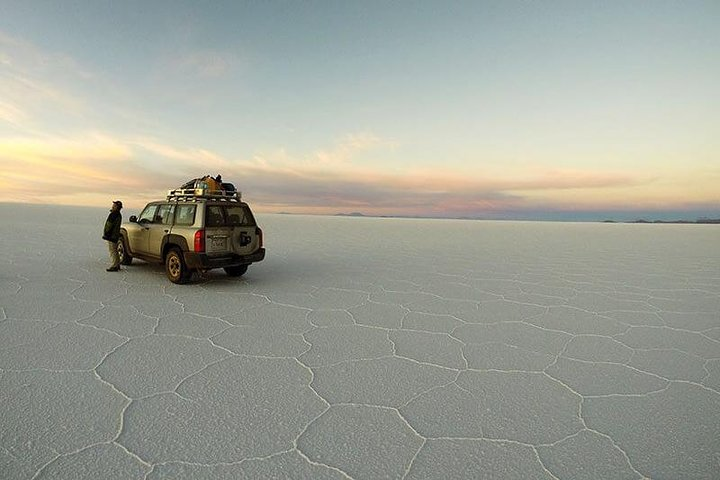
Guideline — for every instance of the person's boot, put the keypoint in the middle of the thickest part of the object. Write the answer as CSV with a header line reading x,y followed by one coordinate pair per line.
x,y
112,269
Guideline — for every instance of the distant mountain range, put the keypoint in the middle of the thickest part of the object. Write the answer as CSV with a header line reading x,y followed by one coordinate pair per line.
x,y
352,214
698,221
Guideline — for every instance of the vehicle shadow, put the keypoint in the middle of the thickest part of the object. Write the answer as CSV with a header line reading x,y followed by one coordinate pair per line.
x,y
215,276
277,272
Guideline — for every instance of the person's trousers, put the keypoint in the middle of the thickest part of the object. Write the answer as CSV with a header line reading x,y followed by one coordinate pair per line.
x,y
114,256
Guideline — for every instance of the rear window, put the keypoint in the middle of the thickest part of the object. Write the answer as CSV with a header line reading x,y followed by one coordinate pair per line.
x,y
239,215
185,215
229,215
214,216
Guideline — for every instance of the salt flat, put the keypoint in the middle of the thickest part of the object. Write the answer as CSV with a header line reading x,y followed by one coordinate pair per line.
x,y
364,348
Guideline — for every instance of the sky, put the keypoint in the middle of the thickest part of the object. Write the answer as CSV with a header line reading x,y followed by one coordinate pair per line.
x,y
480,109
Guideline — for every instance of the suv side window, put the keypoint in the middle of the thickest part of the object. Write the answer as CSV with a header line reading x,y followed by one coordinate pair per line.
x,y
214,216
148,214
164,214
185,215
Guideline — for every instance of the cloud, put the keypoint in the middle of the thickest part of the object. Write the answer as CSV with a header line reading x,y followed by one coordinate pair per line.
x,y
91,166
11,114
36,84
72,170
195,79
46,92
375,191
39,167
25,99
561,179
19,56
192,157
97,166
91,146
349,146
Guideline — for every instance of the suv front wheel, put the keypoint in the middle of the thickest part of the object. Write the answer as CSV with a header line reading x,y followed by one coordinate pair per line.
x,y
175,268
123,252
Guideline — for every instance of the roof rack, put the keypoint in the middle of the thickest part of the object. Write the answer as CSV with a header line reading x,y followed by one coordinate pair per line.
x,y
192,194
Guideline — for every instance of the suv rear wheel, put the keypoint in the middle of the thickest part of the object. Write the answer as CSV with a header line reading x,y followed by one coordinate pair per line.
x,y
236,271
175,268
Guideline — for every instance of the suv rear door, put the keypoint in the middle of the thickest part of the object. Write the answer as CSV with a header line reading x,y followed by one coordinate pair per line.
x,y
229,229
217,234
244,238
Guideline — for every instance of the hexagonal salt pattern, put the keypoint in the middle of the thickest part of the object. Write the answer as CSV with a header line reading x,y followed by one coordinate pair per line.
x,y
362,441
236,409
365,348
61,413
476,458
282,465
688,411
108,461
587,455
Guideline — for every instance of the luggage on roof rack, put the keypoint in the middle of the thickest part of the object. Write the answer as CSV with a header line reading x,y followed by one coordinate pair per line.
x,y
208,182
205,187
190,194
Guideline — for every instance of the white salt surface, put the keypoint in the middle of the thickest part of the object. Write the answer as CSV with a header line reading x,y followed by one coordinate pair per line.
x,y
364,348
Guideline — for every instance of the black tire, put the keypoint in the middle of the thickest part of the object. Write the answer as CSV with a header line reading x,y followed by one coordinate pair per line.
x,y
123,252
175,268
236,271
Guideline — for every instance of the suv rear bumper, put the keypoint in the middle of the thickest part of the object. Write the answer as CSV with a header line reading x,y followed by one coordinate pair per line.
x,y
202,260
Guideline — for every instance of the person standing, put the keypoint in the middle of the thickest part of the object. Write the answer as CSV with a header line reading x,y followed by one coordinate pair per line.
x,y
112,235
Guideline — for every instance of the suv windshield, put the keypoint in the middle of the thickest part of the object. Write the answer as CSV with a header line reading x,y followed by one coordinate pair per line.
x,y
148,214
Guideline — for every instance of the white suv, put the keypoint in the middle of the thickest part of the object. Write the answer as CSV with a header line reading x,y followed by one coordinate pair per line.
x,y
194,230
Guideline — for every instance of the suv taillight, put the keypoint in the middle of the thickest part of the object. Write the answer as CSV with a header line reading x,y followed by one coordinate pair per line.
x,y
200,241
258,232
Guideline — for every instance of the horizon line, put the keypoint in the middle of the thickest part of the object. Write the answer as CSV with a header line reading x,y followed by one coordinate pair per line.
x,y
572,216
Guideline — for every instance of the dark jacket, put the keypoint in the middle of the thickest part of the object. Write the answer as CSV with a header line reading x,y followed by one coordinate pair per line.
x,y
112,227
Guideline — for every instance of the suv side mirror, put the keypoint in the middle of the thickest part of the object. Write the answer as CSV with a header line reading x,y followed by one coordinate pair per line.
x,y
133,219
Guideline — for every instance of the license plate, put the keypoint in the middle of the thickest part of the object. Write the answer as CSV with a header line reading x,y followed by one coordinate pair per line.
x,y
218,243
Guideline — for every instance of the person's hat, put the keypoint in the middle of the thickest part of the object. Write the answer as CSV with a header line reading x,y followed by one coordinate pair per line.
x,y
118,203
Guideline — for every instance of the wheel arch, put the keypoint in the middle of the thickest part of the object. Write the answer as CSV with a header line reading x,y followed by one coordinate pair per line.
x,y
124,237
173,241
